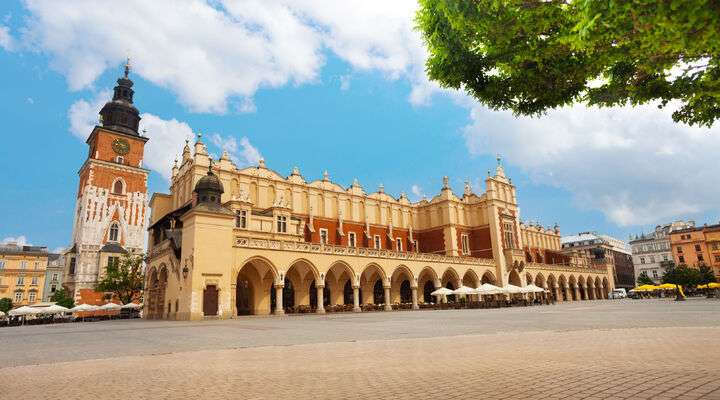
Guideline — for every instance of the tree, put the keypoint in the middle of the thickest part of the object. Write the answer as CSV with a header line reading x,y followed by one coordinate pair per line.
x,y
705,275
680,275
62,298
124,278
6,304
533,56
644,279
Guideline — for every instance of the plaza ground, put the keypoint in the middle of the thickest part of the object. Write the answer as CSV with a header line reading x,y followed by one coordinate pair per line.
x,y
597,349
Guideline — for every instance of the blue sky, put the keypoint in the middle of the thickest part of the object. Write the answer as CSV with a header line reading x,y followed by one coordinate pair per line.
x,y
352,102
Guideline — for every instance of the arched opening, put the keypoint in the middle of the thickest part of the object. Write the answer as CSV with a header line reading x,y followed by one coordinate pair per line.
x,y
152,301
563,288
339,283
254,289
514,278
488,277
118,187
450,297
470,279
605,288
598,290
371,285
302,275
314,293
114,232
426,280
573,288
450,280
428,288
400,286
551,285
378,293
288,296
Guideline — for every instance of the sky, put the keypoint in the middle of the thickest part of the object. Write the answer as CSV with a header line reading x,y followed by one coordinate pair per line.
x,y
321,85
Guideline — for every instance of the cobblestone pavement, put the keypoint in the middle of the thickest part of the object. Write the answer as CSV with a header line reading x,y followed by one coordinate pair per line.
x,y
647,349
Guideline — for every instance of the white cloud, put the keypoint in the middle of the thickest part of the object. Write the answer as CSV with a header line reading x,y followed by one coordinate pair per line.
x,y
633,164
207,52
242,154
6,41
345,82
416,190
19,240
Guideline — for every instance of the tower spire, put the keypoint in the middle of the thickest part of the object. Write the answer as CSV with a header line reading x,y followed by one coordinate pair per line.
x,y
120,114
127,67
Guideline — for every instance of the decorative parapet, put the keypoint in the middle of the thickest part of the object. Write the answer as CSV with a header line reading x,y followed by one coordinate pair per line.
x,y
566,268
159,248
305,247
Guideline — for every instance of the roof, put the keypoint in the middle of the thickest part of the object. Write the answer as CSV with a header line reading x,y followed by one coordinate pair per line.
x,y
615,244
113,248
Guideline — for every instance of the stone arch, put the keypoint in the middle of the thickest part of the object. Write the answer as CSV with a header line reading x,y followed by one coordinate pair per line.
x,y
427,281
572,281
254,282
401,283
582,288
564,289
590,284
488,277
369,278
529,278
160,290
118,186
470,279
598,289
606,288
302,276
539,281
552,286
451,280
340,280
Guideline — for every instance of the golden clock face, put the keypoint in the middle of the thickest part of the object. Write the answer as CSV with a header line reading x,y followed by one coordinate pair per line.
x,y
121,146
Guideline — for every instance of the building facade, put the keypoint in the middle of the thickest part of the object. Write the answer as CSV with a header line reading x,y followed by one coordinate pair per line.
x,y
606,251
651,250
22,273
226,242
697,246
53,275
111,211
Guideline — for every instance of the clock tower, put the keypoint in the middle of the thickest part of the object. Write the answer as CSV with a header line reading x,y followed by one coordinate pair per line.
x,y
111,211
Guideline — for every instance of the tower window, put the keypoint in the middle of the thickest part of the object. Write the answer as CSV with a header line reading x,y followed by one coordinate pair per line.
x,y
241,219
71,269
398,244
118,187
465,242
351,239
114,232
324,236
120,160
377,242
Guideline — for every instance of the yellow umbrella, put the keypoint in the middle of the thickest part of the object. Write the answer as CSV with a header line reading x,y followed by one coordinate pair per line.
x,y
645,288
667,286
711,285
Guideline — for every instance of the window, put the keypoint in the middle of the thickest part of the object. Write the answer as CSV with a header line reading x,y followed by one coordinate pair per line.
x,y
2,264
31,298
642,260
652,259
465,242
23,264
37,265
55,277
114,231
241,219
665,257
323,236
377,242
700,257
18,297
118,187
71,269
416,245
119,160
351,239
509,235
34,281
717,258
53,288
681,259
20,280
282,224
113,261
716,246
697,247
398,244
679,249
654,274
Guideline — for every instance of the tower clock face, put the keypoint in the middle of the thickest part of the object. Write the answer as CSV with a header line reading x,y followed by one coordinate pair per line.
x,y
121,146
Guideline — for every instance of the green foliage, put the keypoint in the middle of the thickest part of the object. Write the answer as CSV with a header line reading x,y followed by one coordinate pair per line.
x,y
62,298
681,275
6,304
644,279
706,275
124,279
532,56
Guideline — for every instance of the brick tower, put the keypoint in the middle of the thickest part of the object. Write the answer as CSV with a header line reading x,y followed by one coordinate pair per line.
x,y
111,212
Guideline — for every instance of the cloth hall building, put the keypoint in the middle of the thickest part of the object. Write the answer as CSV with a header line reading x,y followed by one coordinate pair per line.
x,y
226,242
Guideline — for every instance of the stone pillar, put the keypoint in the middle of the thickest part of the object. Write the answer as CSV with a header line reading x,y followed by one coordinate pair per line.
x,y
279,307
603,295
415,305
576,289
320,300
591,293
568,296
356,299
388,307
